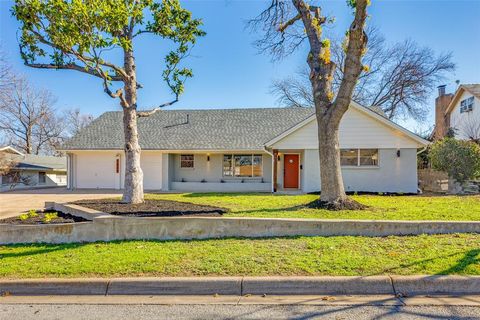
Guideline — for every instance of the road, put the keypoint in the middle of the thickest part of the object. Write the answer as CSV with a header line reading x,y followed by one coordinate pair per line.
x,y
236,307
140,312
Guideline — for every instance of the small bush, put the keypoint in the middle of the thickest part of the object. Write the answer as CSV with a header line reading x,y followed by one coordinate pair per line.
x,y
459,159
49,217
32,213
23,217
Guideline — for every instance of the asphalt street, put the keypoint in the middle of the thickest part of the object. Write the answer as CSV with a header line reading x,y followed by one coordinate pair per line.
x,y
141,312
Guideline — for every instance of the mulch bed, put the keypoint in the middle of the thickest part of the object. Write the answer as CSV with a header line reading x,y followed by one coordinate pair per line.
x,y
61,218
152,208
347,204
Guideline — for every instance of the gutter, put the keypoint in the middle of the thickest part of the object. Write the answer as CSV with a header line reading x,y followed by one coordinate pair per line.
x,y
422,150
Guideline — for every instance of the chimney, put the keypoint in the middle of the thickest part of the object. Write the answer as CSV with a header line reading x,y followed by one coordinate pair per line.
x,y
442,120
441,90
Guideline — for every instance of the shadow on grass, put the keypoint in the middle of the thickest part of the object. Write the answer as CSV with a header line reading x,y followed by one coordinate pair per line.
x,y
471,257
34,249
269,210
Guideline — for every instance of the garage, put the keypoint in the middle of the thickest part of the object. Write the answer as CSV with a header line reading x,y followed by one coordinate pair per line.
x,y
151,164
96,172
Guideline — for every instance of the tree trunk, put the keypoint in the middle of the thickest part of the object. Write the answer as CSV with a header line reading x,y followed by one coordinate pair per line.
x,y
28,141
133,192
332,189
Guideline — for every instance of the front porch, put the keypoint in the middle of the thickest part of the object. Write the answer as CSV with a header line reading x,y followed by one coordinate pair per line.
x,y
266,171
288,168
227,171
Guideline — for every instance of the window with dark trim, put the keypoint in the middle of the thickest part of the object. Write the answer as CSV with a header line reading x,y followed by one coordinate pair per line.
x,y
359,157
187,161
466,105
242,165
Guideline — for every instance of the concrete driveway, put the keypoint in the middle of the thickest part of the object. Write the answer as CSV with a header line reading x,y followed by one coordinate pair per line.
x,y
13,203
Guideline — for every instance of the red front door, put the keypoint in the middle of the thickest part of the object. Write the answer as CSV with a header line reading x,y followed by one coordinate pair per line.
x,y
290,171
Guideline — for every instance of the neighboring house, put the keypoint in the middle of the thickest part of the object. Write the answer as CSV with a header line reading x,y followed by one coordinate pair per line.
x,y
262,150
459,111
32,171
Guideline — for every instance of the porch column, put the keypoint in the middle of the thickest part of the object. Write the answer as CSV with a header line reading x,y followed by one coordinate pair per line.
x,y
275,164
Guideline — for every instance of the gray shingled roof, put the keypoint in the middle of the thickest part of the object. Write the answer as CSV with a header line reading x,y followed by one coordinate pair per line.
x,y
215,129
31,161
38,163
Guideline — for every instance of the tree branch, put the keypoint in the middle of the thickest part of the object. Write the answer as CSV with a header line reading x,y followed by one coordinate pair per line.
x,y
285,25
120,72
149,113
357,41
72,66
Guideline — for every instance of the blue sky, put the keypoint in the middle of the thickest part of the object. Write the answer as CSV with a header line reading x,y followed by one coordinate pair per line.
x,y
228,72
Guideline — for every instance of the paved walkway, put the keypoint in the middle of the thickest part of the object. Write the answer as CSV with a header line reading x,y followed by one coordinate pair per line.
x,y
15,202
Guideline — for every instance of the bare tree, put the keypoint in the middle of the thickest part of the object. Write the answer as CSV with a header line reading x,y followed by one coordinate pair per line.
x,y
7,163
28,118
467,128
76,121
285,25
397,78
6,74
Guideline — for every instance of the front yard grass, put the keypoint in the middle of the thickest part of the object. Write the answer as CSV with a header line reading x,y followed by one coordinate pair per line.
x,y
435,254
461,208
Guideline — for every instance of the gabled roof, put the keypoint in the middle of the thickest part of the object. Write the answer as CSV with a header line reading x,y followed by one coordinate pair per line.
x,y
11,150
473,89
214,129
368,111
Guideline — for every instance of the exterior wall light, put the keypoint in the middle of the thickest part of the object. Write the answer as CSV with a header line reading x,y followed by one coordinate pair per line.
x,y
208,158
398,153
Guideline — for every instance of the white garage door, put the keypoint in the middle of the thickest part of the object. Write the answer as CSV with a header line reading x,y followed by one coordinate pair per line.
x,y
152,171
96,171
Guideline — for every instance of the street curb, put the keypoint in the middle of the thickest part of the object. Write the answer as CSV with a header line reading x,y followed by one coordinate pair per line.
x,y
176,286
317,285
437,284
324,285
45,287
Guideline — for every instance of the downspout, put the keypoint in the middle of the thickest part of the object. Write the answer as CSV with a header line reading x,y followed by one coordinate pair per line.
x,y
273,159
421,151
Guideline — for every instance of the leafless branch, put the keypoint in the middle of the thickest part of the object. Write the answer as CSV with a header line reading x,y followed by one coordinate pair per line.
x,y
28,118
150,112
400,78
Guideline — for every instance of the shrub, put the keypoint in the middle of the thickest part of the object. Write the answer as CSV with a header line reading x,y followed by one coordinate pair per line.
x,y
49,217
32,213
23,217
459,159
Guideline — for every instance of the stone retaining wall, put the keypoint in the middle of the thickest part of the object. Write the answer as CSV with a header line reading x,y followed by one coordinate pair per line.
x,y
105,227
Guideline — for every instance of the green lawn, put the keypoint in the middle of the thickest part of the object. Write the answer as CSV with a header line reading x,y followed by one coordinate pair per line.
x,y
439,254
382,207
